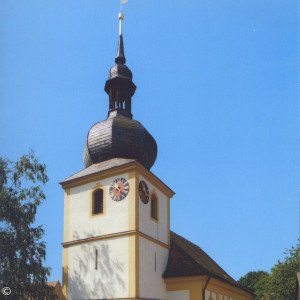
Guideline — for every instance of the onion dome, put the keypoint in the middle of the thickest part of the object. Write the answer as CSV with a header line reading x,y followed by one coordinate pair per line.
x,y
119,136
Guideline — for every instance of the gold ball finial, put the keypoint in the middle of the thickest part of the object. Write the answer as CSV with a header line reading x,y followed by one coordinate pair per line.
x,y
121,16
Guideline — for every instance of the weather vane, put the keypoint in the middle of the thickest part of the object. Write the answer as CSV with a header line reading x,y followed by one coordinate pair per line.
x,y
121,16
121,6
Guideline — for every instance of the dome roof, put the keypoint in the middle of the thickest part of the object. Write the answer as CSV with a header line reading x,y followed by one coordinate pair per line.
x,y
119,137
120,70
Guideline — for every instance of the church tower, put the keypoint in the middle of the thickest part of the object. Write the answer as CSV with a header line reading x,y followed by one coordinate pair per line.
x,y
116,212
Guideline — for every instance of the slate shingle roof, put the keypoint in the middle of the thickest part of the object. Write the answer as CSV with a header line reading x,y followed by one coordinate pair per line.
x,y
99,167
119,136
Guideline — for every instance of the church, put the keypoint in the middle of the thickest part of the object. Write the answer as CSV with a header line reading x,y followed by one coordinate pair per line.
x,y
117,241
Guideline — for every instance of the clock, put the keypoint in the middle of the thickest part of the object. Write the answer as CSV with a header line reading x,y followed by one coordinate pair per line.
x,y
144,192
119,189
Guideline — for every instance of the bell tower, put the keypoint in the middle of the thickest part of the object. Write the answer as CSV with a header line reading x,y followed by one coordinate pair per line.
x,y
116,211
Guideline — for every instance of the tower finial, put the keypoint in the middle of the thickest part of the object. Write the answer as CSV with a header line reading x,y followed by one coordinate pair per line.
x,y
121,18
120,58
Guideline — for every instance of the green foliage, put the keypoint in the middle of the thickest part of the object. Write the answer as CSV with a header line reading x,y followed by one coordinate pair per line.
x,y
280,284
260,287
21,250
249,280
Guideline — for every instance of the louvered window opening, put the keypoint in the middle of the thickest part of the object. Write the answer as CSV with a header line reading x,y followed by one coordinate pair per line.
x,y
154,207
98,202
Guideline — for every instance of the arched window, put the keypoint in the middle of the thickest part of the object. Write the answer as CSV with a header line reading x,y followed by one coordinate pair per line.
x,y
154,207
97,202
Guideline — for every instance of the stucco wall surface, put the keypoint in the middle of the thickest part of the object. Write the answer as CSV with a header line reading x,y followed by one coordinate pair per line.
x,y
178,295
214,296
109,280
114,219
156,230
152,285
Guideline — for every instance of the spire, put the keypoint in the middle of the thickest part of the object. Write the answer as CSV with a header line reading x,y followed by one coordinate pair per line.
x,y
119,85
119,136
120,58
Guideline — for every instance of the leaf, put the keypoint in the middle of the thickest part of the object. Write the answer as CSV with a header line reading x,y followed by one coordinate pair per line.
x,y
22,253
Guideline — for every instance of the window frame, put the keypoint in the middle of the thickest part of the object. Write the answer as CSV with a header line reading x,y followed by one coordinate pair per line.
x,y
92,200
154,194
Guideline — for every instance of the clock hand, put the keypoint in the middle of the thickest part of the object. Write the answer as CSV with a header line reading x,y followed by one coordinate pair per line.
x,y
117,188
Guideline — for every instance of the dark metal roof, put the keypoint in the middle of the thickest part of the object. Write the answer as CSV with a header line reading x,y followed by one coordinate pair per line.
x,y
120,58
121,71
120,74
187,259
119,137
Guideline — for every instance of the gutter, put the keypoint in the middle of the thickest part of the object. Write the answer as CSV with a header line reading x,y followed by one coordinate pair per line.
x,y
207,281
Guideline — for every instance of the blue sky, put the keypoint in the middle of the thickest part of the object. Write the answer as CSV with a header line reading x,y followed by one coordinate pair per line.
x,y
217,87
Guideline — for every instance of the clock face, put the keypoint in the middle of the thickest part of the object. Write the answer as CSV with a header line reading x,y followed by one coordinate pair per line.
x,y
119,189
144,192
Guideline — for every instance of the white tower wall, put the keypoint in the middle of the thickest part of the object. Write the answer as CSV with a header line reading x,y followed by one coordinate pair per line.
x,y
109,280
153,262
83,225
157,230
132,248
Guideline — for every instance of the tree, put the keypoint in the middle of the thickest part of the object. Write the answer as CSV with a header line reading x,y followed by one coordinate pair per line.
x,y
280,283
21,250
261,287
249,280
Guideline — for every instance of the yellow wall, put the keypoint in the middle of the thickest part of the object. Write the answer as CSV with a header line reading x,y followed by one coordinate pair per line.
x,y
196,284
65,260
